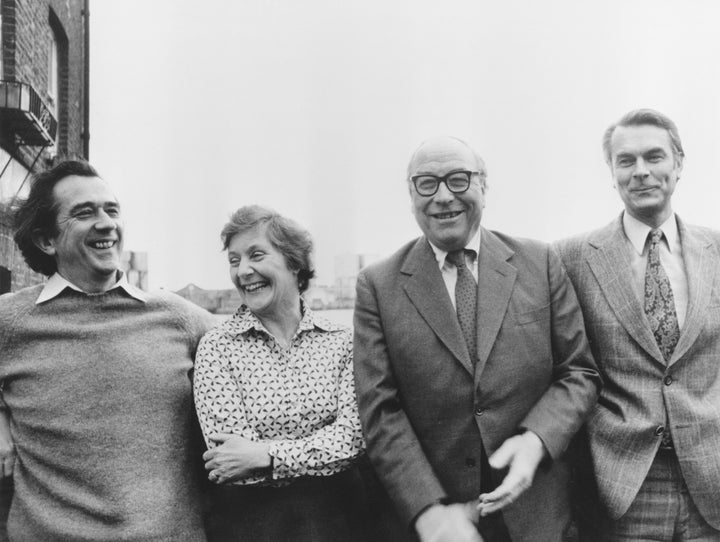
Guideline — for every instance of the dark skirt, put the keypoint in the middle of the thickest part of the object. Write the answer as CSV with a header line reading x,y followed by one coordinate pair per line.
x,y
310,509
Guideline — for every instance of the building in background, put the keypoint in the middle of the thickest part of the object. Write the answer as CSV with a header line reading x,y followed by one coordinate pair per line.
x,y
339,295
135,267
44,66
347,268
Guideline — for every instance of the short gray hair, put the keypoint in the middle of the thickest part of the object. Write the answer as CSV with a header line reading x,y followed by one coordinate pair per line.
x,y
643,117
286,235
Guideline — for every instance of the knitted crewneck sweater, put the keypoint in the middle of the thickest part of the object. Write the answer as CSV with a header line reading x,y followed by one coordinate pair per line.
x,y
99,395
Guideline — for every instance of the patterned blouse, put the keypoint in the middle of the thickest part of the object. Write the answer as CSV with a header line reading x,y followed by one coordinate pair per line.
x,y
301,399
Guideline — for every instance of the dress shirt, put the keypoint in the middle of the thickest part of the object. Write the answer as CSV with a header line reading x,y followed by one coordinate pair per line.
x,y
300,399
57,283
671,258
449,271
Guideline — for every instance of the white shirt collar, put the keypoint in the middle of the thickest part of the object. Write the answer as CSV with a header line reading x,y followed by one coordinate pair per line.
x,y
57,283
473,244
637,231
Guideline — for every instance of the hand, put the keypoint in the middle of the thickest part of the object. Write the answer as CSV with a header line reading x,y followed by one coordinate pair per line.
x,y
7,449
235,458
448,523
522,453
7,459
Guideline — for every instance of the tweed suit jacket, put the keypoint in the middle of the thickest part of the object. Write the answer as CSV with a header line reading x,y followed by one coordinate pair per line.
x,y
427,411
639,387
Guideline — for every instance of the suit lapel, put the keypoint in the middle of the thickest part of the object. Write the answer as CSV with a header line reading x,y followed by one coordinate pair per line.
x,y
496,278
610,264
701,265
427,291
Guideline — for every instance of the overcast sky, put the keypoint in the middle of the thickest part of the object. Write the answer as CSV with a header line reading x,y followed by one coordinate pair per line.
x,y
313,107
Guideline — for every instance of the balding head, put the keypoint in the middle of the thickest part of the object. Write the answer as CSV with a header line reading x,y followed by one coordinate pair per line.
x,y
437,147
446,179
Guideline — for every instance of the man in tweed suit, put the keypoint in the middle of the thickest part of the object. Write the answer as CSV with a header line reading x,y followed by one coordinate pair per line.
x,y
649,287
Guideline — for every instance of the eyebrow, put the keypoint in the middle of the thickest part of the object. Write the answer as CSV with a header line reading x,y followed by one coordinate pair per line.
x,y
249,250
457,170
92,204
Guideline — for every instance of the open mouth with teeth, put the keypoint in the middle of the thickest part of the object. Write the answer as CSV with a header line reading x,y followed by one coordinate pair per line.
x,y
447,215
254,287
103,244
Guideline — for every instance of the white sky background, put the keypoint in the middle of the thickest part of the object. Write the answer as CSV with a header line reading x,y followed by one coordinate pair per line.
x,y
313,107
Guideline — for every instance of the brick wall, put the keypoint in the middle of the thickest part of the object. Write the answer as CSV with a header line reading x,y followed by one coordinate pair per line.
x,y
10,258
28,28
29,37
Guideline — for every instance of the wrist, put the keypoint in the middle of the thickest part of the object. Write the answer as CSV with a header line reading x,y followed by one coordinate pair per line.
x,y
427,512
265,459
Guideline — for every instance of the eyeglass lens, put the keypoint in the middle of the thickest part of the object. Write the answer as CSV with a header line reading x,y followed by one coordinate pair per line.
x,y
457,182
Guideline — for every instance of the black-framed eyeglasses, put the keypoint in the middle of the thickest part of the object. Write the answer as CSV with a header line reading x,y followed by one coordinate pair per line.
x,y
457,182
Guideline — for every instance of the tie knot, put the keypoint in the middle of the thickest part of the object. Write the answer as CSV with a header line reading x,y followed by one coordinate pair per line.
x,y
457,258
655,236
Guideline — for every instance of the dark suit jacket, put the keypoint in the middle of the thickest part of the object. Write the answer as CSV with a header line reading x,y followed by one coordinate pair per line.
x,y
639,385
425,408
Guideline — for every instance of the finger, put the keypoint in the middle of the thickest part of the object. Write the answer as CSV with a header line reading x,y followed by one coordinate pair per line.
x,y
506,493
487,509
512,484
498,494
211,453
501,458
219,437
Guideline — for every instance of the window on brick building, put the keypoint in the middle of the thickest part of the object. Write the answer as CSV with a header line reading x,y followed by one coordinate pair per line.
x,y
52,77
57,73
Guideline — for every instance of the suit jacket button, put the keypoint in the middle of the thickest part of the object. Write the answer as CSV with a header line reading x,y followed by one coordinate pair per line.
x,y
470,461
479,411
668,380
660,430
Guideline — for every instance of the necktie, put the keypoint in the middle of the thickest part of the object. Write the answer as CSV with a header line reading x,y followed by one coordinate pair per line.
x,y
465,301
659,300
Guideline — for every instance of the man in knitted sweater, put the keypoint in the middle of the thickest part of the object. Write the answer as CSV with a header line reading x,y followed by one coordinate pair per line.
x,y
95,380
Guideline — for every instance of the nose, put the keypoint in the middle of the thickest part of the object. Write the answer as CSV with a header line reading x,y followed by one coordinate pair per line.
x,y
443,194
641,169
244,268
105,221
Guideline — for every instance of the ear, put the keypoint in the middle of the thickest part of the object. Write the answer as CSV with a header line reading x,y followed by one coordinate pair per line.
x,y
44,243
484,186
679,167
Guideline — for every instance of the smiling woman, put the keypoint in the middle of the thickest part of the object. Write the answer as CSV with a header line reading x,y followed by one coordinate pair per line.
x,y
275,397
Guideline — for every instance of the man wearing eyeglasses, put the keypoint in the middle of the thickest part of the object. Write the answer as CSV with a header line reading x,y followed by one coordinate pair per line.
x,y
473,371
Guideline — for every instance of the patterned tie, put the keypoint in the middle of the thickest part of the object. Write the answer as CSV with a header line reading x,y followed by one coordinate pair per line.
x,y
659,300
465,300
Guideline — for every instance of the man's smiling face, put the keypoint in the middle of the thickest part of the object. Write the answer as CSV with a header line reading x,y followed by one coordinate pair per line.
x,y
88,246
645,171
448,220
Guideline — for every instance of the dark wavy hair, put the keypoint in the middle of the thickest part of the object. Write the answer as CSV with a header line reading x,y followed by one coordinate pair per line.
x,y
644,117
286,235
37,214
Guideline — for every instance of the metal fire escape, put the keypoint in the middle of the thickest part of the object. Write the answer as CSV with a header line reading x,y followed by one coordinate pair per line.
x,y
25,119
